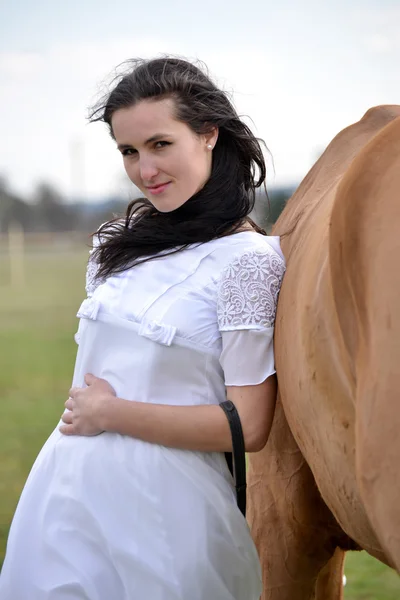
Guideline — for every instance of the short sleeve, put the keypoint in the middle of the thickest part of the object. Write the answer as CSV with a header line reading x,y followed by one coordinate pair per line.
x,y
91,273
92,280
246,306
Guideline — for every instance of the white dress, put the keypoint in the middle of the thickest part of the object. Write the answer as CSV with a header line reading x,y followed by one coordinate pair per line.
x,y
111,517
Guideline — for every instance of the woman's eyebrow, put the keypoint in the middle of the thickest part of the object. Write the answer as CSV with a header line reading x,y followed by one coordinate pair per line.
x,y
154,138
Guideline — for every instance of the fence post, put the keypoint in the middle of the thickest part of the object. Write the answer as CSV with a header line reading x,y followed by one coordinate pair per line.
x,y
16,251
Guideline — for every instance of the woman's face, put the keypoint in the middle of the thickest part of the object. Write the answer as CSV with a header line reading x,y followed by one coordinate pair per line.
x,y
163,157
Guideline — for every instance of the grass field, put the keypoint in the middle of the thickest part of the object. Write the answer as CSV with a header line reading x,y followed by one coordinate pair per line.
x,y
37,353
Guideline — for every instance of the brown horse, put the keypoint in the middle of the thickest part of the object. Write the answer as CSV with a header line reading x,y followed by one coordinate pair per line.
x,y
328,479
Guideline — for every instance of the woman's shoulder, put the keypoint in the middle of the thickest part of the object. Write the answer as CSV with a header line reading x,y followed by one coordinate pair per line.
x,y
252,262
249,242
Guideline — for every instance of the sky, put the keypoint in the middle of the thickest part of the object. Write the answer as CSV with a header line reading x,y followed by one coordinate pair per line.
x,y
299,72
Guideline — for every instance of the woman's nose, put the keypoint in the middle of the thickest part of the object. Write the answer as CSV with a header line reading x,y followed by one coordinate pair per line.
x,y
148,169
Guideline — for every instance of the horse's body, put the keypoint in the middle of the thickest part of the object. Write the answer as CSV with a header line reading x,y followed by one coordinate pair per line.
x,y
329,477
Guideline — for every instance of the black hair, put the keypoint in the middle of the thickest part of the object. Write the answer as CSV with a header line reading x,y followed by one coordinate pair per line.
x,y
222,206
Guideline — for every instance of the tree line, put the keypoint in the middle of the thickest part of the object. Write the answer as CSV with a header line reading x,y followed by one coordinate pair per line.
x,y
48,211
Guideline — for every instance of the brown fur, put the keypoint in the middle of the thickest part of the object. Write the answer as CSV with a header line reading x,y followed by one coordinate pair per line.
x,y
328,478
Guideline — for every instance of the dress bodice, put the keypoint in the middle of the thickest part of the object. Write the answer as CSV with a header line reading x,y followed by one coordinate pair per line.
x,y
157,330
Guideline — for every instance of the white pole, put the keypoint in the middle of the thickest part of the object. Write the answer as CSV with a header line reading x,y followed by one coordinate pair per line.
x,y
16,245
77,169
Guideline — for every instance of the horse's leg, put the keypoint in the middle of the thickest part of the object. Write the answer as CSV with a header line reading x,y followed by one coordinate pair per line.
x,y
295,533
330,579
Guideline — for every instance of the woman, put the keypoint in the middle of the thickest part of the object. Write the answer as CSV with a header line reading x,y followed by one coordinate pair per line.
x,y
131,496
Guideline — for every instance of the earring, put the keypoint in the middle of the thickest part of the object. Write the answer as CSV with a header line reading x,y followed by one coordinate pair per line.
x,y
209,146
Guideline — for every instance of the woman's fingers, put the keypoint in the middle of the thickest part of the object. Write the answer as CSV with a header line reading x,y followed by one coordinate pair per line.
x,y
69,404
67,429
90,379
67,418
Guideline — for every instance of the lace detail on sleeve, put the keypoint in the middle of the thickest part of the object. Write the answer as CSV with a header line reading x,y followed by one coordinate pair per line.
x,y
248,290
91,272
92,281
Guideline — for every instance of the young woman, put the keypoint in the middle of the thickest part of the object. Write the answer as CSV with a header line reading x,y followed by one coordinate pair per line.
x,y
131,497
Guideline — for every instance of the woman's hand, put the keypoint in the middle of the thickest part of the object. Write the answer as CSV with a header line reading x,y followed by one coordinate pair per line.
x,y
86,407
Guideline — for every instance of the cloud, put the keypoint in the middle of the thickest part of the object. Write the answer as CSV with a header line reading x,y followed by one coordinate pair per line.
x,y
380,43
379,27
16,65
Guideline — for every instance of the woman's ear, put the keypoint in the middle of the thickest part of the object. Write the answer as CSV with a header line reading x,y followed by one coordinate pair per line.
x,y
211,138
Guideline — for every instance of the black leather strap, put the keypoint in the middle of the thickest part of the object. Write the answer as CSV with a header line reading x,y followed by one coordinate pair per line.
x,y
238,468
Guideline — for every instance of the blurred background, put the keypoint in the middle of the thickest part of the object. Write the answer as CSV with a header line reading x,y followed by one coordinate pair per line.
x,y
299,72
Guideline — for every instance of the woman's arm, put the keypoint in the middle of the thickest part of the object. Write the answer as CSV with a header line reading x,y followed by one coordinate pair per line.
x,y
203,428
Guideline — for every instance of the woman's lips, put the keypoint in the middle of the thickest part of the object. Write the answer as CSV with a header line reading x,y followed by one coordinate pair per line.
x,y
158,189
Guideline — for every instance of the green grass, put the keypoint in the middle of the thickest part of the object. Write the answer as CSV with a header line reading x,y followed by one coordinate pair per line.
x,y
37,353
368,579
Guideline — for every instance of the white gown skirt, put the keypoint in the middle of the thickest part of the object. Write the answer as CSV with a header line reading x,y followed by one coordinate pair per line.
x,y
113,518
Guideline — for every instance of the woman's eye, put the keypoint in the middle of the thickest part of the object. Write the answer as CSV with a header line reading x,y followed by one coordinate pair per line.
x,y
129,152
162,144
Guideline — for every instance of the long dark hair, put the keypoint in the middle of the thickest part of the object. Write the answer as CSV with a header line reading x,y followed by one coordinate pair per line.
x,y
222,206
